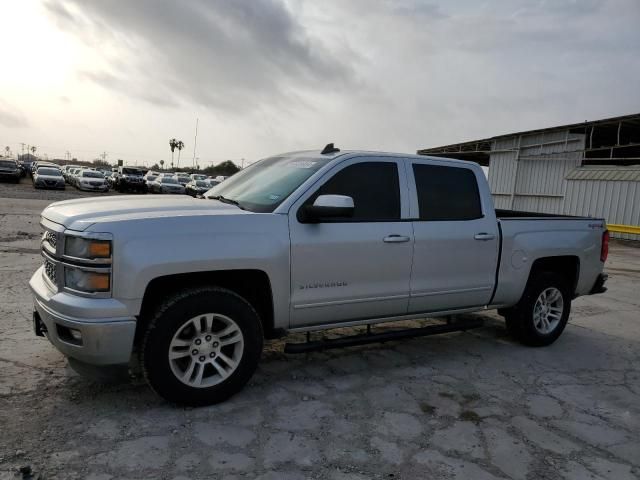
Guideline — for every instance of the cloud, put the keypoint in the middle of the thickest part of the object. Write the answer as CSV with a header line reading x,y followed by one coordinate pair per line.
x,y
386,74
11,117
234,56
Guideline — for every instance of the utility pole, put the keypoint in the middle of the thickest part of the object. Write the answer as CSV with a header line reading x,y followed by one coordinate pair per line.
x,y
195,142
103,155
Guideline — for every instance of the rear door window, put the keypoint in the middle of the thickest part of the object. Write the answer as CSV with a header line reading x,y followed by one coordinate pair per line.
x,y
447,193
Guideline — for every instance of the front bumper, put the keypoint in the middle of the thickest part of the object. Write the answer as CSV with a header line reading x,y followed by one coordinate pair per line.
x,y
9,175
104,340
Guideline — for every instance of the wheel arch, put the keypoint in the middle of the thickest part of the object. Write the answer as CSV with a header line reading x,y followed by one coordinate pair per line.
x,y
566,265
253,285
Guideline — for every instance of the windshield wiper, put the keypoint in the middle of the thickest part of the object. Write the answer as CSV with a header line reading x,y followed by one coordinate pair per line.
x,y
228,200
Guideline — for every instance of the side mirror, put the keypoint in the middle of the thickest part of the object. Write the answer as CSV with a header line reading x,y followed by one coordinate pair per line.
x,y
327,206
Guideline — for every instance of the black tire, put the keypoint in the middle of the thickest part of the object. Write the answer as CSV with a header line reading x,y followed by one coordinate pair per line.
x,y
520,320
171,317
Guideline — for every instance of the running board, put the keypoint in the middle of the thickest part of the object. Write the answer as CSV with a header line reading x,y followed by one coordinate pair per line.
x,y
366,338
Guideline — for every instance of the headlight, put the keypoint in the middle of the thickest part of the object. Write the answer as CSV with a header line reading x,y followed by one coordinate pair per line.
x,y
86,281
86,247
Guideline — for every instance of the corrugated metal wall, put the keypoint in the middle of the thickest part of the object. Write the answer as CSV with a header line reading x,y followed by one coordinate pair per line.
x,y
528,172
616,201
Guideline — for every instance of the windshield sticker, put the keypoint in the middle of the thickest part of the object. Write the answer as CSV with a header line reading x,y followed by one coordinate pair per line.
x,y
274,197
302,164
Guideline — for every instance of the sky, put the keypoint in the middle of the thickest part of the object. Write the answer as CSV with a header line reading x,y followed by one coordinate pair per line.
x,y
264,77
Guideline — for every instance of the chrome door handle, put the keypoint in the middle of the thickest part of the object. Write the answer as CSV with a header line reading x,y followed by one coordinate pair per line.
x,y
395,239
484,236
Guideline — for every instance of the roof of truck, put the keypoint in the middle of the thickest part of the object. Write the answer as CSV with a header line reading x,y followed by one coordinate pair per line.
x,y
357,153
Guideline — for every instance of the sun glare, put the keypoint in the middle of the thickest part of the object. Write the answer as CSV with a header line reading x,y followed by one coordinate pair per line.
x,y
35,54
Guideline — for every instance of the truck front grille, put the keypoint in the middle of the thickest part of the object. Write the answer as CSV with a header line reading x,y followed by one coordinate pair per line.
x,y
50,271
51,238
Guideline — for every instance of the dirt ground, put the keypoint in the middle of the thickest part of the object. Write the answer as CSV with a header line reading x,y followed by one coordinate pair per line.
x,y
471,405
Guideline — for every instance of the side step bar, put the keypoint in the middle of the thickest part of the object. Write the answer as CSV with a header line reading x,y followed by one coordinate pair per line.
x,y
366,338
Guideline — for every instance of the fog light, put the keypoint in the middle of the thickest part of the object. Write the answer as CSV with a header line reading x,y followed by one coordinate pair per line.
x,y
69,335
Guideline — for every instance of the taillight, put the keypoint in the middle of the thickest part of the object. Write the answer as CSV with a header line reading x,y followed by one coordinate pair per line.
x,y
604,250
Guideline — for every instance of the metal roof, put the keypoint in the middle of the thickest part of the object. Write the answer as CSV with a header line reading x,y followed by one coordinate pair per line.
x,y
483,145
604,173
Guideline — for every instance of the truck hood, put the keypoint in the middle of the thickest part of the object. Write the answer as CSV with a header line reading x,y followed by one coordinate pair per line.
x,y
81,214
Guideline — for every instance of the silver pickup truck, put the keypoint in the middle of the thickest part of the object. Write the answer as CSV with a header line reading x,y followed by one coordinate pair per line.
x,y
299,242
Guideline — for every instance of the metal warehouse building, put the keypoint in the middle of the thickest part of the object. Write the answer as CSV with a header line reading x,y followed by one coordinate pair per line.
x,y
590,168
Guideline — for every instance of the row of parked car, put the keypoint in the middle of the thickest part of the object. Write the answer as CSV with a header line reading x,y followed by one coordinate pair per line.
x,y
122,179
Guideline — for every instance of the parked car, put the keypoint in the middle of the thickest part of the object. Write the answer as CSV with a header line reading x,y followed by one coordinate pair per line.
x,y
165,185
23,169
48,177
109,177
9,170
91,180
26,165
211,182
150,176
197,176
72,175
183,178
130,179
66,171
345,238
197,187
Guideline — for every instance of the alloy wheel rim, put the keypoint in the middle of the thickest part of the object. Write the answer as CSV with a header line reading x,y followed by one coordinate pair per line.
x,y
206,350
548,310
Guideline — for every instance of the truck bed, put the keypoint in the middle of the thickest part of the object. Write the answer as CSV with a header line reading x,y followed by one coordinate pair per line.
x,y
526,236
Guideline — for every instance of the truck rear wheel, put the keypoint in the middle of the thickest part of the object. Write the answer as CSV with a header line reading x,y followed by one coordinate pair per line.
x,y
202,346
543,311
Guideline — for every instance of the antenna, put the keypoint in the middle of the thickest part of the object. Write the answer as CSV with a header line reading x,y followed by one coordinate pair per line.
x,y
329,148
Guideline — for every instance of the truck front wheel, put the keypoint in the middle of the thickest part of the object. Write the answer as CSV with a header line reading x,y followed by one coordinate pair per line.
x,y
202,346
543,311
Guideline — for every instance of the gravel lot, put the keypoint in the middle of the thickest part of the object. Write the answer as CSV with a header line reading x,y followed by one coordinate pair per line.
x,y
471,405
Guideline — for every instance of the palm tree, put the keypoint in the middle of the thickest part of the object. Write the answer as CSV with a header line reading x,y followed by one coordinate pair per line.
x,y
33,150
172,144
161,164
179,146
7,149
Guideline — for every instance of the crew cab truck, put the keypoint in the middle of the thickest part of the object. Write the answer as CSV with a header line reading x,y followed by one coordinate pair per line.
x,y
299,242
130,179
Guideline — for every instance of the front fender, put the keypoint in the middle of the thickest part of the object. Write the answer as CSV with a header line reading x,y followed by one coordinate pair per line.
x,y
146,249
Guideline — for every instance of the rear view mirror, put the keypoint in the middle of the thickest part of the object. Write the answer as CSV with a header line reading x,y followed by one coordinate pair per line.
x,y
326,207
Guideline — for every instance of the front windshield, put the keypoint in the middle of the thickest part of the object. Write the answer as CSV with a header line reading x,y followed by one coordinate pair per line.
x,y
49,171
131,171
199,177
201,183
169,180
264,185
7,163
92,174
